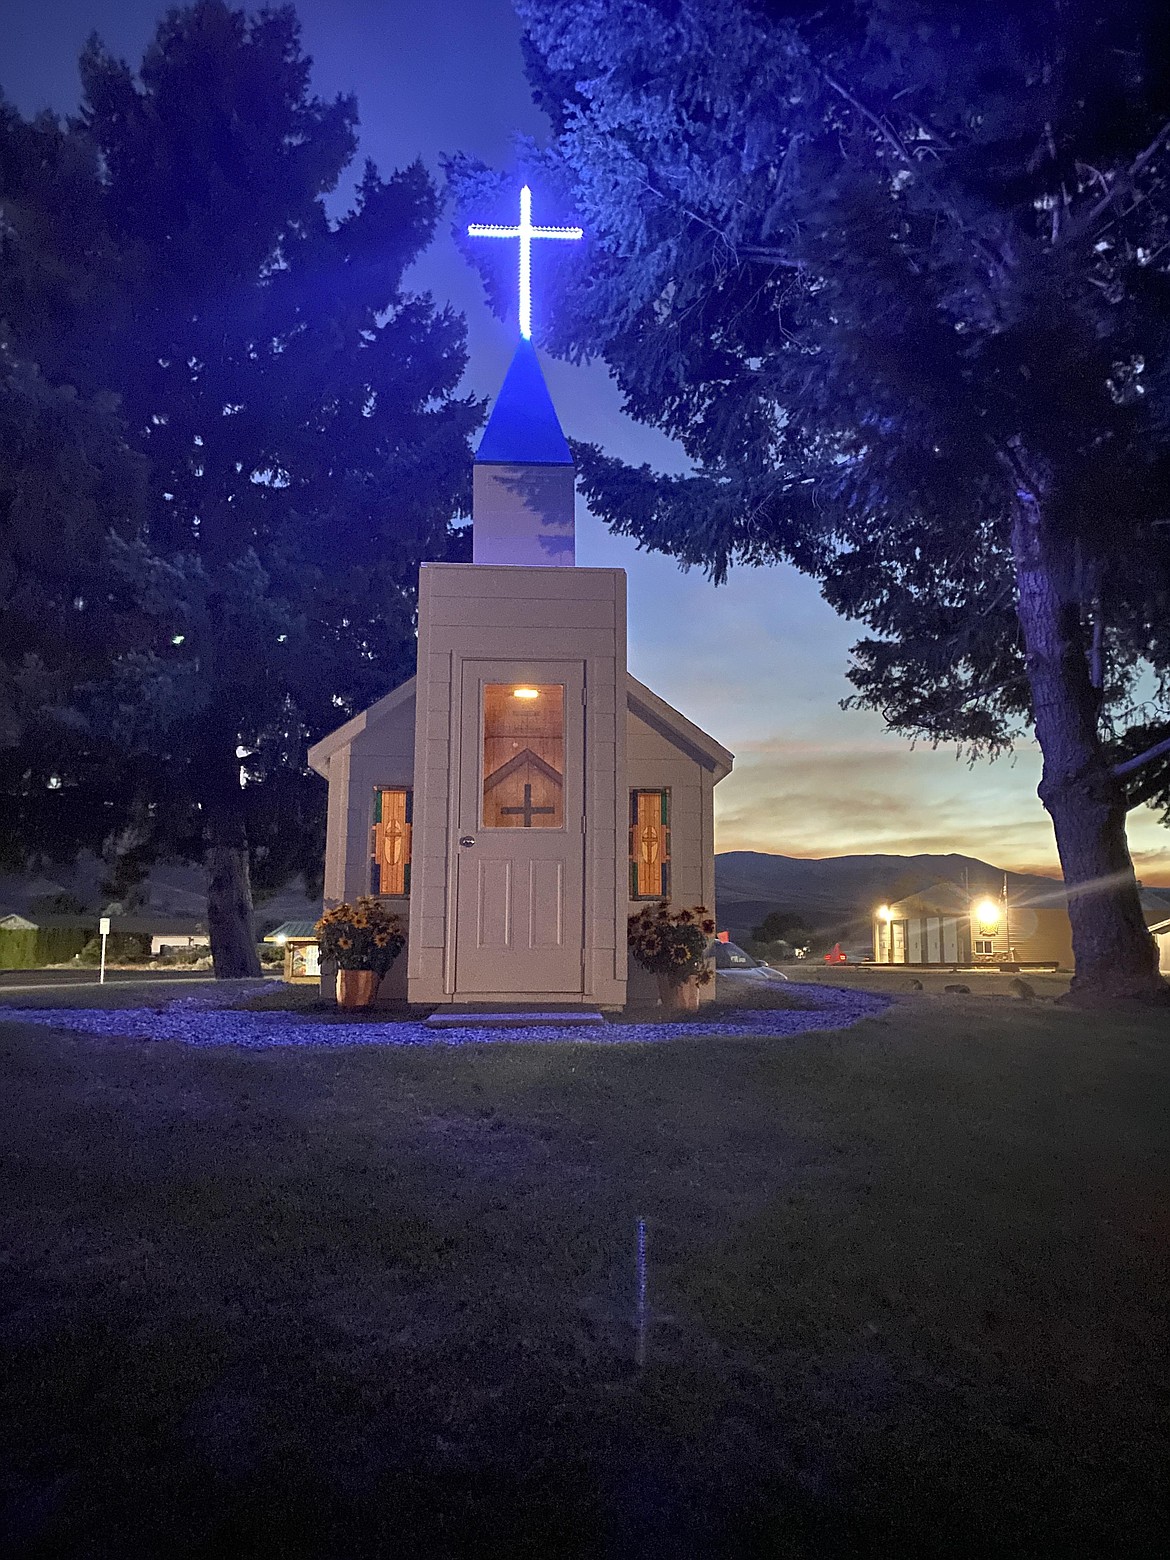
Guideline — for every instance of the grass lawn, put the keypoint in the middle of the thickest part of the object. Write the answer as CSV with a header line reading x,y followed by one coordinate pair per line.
x,y
907,1287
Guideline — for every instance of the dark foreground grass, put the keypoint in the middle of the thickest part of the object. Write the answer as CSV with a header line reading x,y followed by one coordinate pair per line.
x,y
907,1286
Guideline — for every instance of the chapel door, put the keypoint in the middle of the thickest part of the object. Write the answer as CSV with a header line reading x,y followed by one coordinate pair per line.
x,y
520,837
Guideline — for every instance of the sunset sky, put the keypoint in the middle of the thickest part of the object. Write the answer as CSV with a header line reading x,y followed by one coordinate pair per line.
x,y
760,662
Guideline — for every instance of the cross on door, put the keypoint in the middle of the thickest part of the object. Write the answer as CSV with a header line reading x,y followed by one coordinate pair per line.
x,y
528,810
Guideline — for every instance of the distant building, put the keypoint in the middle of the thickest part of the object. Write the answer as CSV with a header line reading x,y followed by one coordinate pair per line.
x,y
944,924
33,940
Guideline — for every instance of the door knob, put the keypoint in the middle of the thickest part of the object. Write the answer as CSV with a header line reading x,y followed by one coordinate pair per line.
x,y
467,839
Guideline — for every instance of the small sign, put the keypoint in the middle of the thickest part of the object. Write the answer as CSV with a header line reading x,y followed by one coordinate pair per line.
x,y
104,926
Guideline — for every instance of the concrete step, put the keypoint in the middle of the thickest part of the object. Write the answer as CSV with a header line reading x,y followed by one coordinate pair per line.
x,y
512,1018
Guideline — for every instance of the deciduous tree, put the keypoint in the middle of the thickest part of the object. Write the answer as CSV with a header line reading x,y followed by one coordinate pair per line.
x,y
896,275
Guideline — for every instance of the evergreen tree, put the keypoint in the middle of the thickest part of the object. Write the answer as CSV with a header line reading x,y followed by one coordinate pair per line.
x,y
895,273
295,410
67,481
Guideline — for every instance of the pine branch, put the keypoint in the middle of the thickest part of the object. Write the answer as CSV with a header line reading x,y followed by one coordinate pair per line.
x,y
772,256
883,129
1123,184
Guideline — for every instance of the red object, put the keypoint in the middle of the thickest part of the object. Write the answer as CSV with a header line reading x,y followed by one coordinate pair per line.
x,y
722,936
835,956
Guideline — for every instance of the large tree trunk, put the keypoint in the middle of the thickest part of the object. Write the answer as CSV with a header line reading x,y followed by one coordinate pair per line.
x,y
229,886
1116,956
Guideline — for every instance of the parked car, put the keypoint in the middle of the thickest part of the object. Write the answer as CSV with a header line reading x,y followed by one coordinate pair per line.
x,y
730,959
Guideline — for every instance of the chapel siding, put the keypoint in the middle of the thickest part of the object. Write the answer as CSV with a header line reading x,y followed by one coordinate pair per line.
x,y
654,762
470,612
381,754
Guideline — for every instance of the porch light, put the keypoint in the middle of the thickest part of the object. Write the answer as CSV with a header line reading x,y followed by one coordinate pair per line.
x,y
987,914
526,693
885,913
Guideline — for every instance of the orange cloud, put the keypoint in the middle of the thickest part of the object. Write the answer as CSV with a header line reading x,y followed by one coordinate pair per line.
x,y
874,795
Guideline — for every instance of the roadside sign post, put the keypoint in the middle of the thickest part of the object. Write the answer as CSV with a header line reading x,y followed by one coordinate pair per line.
x,y
104,929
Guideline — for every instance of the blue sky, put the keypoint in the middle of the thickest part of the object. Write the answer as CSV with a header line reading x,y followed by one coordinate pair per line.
x,y
760,662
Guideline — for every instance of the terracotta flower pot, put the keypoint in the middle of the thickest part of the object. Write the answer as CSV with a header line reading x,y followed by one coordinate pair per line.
x,y
357,988
679,996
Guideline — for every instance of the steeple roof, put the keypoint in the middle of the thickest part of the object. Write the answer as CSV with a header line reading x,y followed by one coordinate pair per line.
x,y
523,429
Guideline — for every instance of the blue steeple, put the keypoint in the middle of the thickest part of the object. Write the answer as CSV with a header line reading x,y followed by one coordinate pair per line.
x,y
523,429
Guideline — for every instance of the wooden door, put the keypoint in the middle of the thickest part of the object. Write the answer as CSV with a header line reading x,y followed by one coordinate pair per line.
x,y
914,941
898,928
520,836
950,941
933,940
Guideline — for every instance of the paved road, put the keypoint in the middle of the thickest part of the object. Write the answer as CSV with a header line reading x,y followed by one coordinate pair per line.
x,y
90,977
72,980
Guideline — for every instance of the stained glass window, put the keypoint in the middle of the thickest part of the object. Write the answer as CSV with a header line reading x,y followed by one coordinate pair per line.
x,y
390,841
649,844
523,756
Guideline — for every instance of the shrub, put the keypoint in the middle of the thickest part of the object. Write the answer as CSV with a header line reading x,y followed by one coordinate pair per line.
x,y
121,948
32,950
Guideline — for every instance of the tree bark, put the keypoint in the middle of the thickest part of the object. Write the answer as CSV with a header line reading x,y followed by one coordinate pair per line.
x,y
1115,954
230,919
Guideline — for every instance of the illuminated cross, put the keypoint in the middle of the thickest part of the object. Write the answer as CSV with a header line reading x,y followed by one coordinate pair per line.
x,y
525,233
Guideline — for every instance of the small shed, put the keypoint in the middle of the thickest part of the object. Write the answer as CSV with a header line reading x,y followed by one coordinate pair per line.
x,y
302,954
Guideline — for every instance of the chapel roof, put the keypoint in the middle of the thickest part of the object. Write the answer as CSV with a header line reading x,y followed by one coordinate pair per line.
x,y
293,931
523,429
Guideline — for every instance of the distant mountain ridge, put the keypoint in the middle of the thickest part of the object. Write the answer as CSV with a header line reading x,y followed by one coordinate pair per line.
x,y
835,893
840,893
170,889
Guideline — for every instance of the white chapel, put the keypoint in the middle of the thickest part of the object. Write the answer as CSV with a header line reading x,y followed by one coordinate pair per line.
x,y
522,795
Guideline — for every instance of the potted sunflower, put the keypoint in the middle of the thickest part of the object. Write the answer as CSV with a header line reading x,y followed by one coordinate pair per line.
x,y
364,940
672,945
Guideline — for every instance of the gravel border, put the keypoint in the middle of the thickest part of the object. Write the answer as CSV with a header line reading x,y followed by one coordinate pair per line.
x,y
196,1021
